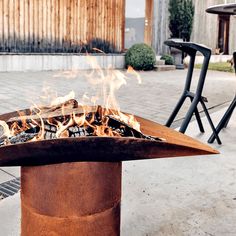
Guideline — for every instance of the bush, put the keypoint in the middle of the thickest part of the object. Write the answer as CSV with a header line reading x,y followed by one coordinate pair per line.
x,y
168,59
140,57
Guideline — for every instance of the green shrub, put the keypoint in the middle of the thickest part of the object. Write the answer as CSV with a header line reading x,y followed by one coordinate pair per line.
x,y
168,59
181,15
140,57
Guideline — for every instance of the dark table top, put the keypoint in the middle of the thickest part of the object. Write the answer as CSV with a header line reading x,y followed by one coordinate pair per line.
x,y
224,9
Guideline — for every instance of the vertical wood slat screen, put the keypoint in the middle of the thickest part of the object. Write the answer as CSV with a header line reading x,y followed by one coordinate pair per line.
x,y
61,25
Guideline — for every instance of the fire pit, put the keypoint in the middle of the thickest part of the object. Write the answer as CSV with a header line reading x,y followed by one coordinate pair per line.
x,y
71,164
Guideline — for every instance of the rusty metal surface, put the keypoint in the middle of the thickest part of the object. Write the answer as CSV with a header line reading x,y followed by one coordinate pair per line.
x,y
103,149
99,149
71,199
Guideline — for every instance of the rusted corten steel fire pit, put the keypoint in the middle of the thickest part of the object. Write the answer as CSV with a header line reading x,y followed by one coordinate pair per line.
x,y
72,186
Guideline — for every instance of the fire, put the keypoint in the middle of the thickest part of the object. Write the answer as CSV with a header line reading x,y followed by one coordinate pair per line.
x,y
61,100
65,117
131,70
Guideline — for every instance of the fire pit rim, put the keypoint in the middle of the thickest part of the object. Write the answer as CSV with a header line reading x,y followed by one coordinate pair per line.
x,y
103,149
91,149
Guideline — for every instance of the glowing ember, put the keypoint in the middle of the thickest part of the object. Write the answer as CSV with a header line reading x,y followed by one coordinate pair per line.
x,y
80,121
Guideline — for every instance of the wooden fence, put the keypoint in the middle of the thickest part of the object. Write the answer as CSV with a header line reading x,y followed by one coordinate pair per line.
x,y
61,25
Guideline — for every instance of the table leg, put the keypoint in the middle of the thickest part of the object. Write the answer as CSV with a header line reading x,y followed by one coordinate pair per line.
x,y
224,120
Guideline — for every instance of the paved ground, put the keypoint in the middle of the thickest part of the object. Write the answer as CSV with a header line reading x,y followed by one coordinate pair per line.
x,y
153,99
189,196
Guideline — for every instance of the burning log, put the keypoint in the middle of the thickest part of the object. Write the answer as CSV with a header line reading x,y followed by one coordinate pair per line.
x,y
126,131
28,126
116,125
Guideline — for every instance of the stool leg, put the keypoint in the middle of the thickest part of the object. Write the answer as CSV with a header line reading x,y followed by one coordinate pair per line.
x,y
224,120
229,116
227,122
189,115
199,121
210,122
198,118
175,111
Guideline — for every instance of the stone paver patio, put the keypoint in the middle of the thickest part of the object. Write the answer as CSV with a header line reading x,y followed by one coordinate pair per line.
x,y
154,98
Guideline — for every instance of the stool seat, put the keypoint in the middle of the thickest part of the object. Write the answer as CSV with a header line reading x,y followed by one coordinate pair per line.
x,y
191,49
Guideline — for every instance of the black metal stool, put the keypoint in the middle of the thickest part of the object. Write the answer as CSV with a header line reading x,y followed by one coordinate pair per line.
x,y
225,119
191,49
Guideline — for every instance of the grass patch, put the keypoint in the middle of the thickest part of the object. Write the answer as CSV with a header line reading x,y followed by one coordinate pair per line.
x,y
219,66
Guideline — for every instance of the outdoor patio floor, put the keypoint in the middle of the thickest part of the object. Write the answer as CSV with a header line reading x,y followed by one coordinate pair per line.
x,y
180,196
183,196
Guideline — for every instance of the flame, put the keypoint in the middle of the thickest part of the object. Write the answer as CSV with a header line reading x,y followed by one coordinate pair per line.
x,y
64,113
61,100
5,132
131,70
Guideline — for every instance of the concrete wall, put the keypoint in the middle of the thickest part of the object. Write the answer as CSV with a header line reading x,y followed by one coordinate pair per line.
x,y
36,62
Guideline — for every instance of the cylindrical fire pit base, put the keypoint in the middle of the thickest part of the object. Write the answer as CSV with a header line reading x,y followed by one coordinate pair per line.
x,y
71,199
